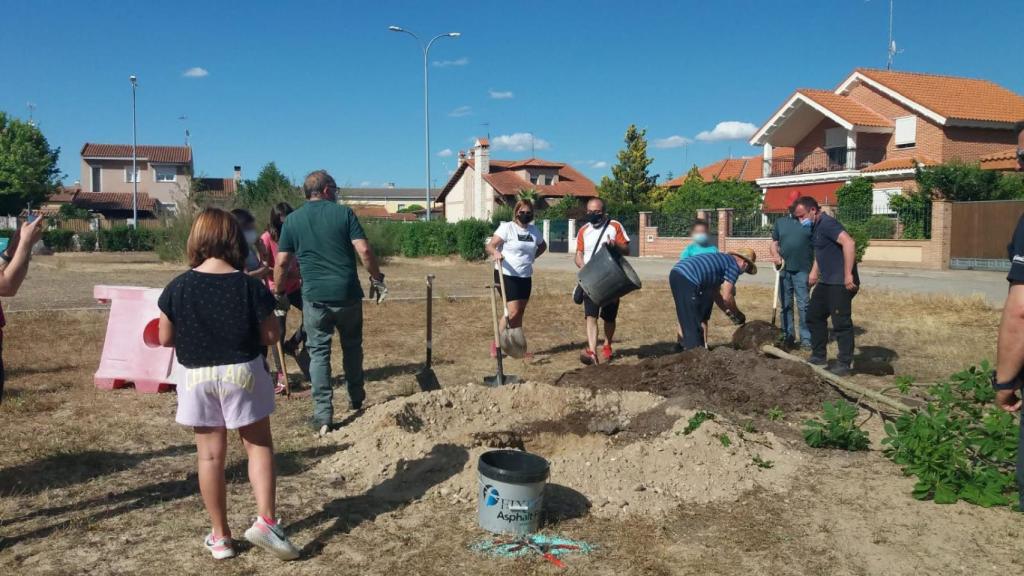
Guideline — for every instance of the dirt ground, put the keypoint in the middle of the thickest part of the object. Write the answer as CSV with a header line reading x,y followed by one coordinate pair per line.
x,y
104,483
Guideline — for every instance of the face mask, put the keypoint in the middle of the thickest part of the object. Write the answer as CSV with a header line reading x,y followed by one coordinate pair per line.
x,y
250,236
595,218
700,238
806,222
526,217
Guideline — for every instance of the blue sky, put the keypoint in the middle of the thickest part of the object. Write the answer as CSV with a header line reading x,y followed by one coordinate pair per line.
x,y
326,85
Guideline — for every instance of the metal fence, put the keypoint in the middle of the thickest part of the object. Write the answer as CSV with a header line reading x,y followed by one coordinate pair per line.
x,y
753,224
558,236
882,222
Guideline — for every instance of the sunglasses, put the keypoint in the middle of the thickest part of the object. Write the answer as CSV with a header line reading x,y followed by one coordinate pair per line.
x,y
526,214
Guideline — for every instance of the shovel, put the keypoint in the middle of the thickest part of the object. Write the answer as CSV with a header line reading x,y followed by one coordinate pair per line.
x,y
426,377
500,378
512,340
775,296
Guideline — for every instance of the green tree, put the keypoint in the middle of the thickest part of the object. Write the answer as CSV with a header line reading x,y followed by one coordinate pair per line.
x,y
629,188
270,186
855,198
530,194
960,182
411,209
568,206
28,166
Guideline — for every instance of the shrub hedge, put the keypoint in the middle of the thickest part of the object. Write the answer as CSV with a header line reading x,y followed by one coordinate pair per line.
x,y
417,239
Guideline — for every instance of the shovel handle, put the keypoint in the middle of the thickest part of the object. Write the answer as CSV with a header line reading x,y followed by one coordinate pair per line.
x,y
430,318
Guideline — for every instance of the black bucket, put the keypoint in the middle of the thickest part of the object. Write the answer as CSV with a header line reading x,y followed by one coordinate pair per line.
x,y
607,277
511,491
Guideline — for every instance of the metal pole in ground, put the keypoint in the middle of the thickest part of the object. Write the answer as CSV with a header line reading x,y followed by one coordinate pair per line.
x,y
135,167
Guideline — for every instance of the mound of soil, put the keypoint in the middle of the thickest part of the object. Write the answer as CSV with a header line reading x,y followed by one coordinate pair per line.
x,y
730,381
754,334
422,447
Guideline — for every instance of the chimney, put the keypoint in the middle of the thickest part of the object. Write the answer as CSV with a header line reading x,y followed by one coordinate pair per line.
x,y
391,185
238,173
462,157
481,166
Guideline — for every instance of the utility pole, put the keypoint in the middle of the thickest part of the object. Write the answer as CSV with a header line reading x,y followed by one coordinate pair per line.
x,y
184,119
892,42
31,109
135,157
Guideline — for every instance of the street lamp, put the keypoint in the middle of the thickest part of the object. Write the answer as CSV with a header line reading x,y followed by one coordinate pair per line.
x,y
135,162
426,98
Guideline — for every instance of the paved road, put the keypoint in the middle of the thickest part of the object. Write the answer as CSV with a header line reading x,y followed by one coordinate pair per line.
x,y
990,285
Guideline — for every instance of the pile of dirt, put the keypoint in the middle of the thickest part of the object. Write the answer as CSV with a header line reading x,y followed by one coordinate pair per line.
x,y
736,382
754,334
426,446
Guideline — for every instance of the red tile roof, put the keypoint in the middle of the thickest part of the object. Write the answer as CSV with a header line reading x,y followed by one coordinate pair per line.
x,y
121,201
1002,160
746,168
952,96
168,154
505,181
374,212
217,188
777,199
899,164
846,108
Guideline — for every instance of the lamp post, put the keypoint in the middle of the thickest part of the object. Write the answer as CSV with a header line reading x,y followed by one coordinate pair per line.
x,y
426,99
135,161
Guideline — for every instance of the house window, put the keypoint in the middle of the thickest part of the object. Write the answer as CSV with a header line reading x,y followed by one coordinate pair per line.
x,y
165,173
906,132
880,200
835,147
128,174
401,207
97,177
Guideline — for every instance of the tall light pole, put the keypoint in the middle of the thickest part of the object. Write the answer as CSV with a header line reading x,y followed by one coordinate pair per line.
x,y
135,158
426,98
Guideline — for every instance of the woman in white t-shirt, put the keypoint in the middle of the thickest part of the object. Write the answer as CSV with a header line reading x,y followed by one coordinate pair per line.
x,y
514,246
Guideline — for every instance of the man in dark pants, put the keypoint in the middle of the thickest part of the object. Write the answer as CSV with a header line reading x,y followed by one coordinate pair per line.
x,y
1010,351
835,280
326,236
791,249
703,280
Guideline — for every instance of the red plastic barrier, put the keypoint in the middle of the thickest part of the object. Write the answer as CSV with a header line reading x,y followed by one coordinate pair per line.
x,y
131,349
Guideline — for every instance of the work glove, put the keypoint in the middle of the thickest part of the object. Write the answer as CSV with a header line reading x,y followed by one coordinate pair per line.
x,y
738,318
378,289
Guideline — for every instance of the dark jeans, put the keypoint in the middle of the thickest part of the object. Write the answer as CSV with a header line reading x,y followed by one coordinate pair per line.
x,y
831,301
794,284
321,320
692,304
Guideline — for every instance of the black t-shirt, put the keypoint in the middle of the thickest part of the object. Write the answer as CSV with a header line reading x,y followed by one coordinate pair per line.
x,y
1015,252
828,253
216,317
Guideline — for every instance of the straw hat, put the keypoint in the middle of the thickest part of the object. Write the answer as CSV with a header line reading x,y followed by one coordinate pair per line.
x,y
749,256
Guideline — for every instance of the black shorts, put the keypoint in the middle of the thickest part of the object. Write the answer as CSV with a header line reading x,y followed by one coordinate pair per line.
x,y
516,288
608,312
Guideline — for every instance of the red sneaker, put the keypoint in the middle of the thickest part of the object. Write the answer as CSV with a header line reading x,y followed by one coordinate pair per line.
x,y
587,357
606,352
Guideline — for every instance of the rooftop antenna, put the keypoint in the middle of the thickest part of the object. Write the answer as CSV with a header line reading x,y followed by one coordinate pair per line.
x,y
532,151
892,41
184,119
487,128
31,109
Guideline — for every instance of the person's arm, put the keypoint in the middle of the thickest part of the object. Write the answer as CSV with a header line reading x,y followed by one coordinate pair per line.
x,y
493,247
1010,350
580,246
13,274
812,276
726,300
366,255
541,248
618,240
166,331
773,250
270,331
281,265
849,259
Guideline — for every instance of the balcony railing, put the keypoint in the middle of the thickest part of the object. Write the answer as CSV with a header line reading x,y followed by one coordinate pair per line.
x,y
830,160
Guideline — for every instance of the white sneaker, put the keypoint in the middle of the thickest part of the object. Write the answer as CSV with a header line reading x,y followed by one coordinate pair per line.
x,y
221,548
271,539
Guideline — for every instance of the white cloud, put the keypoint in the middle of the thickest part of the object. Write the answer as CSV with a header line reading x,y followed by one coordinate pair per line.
x,y
461,111
196,72
519,142
365,184
728,130
446,63
445,153
598,164
674,141
501,94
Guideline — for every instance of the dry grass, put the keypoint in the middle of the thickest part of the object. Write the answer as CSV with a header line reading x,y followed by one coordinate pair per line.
x,y
103,482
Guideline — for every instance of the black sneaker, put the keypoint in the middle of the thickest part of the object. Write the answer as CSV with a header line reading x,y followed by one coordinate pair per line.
x,y
840,369
356,406
817,361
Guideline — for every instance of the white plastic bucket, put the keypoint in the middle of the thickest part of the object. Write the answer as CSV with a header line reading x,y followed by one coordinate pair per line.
x,y
511,492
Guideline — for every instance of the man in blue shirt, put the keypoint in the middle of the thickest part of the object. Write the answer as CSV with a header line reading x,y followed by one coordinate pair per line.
x,y
703,280
791,250
835,280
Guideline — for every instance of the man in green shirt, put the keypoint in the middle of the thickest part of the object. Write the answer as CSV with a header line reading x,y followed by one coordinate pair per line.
x,y
791,248
325,237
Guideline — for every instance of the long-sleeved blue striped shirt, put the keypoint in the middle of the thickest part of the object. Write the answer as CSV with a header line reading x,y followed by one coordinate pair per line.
x,y
708,271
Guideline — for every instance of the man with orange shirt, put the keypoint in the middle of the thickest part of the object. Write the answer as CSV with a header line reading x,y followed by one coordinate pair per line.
x,y
599,230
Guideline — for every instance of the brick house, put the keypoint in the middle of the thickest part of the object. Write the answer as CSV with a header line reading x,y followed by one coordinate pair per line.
x,y
479,183
879,123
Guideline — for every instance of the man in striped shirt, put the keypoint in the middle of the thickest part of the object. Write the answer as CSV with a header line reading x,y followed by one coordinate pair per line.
x,y
703,280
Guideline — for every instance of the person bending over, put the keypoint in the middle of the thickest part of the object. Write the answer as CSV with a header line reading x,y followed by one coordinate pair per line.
x,y
700,243
218,319
700,282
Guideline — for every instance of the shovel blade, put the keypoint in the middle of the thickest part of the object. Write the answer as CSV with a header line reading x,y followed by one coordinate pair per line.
x,y
495,381
427,380
513,342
